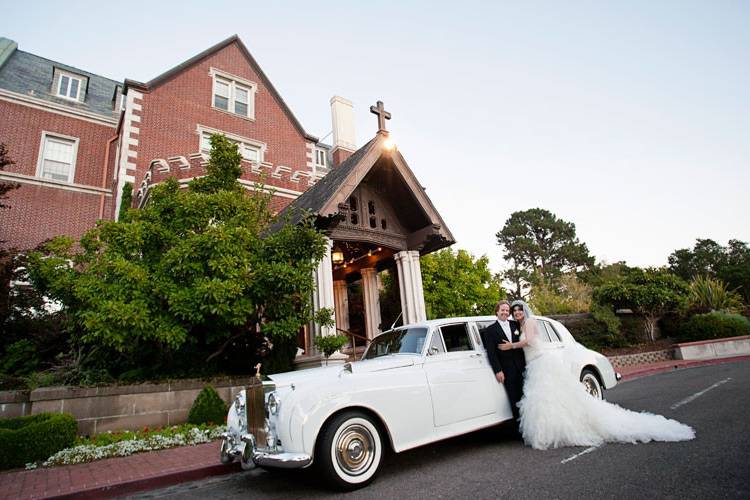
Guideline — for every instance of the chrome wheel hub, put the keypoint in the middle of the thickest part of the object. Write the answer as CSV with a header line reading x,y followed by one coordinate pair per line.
x,y
591,386
355,449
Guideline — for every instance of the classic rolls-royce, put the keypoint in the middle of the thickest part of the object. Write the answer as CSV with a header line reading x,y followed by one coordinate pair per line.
x,y
414,385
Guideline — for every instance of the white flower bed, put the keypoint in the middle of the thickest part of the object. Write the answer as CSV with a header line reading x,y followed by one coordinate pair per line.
x,y
89,453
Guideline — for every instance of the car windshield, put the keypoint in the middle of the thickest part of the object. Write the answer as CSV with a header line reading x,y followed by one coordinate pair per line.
x,y
398,341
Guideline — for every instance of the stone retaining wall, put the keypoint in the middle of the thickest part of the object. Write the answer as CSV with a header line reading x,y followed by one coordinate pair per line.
x,y
642,358
116,408
707,349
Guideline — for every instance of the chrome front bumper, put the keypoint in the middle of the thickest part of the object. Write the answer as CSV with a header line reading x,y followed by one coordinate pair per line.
x,y
250,455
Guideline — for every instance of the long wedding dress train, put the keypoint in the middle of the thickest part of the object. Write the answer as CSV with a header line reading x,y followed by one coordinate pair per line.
x,y
557,411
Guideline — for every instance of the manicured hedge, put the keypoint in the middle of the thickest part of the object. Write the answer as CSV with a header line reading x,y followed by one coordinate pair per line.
x,y
714,325
208,408
36,437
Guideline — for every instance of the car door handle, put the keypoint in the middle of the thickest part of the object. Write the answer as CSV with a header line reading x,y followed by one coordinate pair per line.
x,y
475,355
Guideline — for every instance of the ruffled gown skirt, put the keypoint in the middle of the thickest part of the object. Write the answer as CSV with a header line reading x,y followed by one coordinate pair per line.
x,y
557,411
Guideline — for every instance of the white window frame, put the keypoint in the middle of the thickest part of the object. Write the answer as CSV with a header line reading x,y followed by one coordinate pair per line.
x,y
42,146
234,82
70,77
321,153
241,141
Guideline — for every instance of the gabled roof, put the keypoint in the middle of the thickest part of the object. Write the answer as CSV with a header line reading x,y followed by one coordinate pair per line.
x,y
167,75
322,199
31,75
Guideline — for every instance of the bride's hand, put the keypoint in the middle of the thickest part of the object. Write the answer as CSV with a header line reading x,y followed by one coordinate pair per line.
x,y
507,346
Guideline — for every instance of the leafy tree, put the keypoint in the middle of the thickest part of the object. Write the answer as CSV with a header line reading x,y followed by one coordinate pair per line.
x,y
540,246
127,200
730,264
602,273
330,344
704,259
456,284
570,296
5,187
650,292
195,278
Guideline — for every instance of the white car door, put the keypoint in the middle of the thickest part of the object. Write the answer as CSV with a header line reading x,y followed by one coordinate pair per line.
x,y
457,375
555,340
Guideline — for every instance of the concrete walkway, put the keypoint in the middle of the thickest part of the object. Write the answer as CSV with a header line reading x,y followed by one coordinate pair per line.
x,y
143,471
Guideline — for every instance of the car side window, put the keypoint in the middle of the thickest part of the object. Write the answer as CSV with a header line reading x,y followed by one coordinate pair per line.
x,y
436,344
551,335
456,337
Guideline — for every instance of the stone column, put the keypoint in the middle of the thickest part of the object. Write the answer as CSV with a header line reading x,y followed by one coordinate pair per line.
x,y
323,294
341,300
371,296
410,285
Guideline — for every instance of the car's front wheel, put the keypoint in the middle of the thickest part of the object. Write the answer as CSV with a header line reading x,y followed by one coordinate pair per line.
x,y
591,383
350,450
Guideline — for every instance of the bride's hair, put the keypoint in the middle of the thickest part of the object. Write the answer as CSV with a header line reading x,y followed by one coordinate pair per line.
x,y
524,306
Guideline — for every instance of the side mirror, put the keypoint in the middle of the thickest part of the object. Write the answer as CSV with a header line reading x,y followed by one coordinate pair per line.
x,y
432,351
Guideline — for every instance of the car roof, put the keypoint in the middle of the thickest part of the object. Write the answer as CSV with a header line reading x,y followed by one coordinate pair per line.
x,y
459,319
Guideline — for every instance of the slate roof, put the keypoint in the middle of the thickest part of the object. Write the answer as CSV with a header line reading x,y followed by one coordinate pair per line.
x,y
31,75
318,195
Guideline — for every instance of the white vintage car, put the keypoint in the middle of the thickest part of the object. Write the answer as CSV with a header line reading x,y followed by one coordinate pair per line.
x,y
415,385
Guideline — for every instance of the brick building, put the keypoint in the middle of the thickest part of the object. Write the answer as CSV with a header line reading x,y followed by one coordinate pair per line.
x,y
78,138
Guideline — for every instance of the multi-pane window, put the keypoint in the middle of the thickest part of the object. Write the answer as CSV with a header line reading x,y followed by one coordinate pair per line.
x,y
69,87
248,151
58,158
232,96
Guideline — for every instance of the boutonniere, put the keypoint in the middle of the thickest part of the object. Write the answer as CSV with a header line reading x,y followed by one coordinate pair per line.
x,y
516,332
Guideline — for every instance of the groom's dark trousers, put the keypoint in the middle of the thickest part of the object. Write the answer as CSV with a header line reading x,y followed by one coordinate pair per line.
x,y
512,362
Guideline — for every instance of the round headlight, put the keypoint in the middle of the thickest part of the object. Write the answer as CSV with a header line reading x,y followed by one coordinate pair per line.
x,y
273,404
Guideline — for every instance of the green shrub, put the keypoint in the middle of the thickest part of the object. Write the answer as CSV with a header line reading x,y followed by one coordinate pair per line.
x,y
606,316
208,408
595,334
714,325
633,329
20,358
709,294
36,437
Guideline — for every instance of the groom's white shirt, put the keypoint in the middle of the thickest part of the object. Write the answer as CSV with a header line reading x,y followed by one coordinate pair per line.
x,y
505,325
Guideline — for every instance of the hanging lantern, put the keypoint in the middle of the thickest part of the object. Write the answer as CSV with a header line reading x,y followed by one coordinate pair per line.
x,y
337,255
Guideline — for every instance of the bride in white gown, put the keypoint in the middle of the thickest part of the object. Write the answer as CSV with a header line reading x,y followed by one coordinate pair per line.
x,y
557,411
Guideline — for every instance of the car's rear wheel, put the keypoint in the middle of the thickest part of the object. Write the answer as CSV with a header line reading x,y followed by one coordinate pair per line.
x,y
591,383
350,450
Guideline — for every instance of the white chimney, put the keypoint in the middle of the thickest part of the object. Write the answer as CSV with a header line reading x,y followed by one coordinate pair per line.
x,y
342,113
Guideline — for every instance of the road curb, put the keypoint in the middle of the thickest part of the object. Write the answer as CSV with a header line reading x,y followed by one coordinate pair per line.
x,y
678,365
153,482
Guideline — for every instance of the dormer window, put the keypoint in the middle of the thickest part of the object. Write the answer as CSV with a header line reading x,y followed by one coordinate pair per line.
x,y
69,86
233,94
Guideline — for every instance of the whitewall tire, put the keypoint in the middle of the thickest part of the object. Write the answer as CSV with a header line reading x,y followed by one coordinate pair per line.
x,y
591,383
350,450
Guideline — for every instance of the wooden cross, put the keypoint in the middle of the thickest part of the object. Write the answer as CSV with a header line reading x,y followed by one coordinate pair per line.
x,y
383,115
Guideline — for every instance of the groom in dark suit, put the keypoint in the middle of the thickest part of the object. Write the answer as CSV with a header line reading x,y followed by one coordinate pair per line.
x,y
508,365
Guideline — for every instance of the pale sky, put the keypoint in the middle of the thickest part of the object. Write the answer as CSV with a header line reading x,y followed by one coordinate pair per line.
x,y
629,119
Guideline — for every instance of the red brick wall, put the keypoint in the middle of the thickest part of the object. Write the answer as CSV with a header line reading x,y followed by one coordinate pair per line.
x,y
171,113
21,130
40,212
